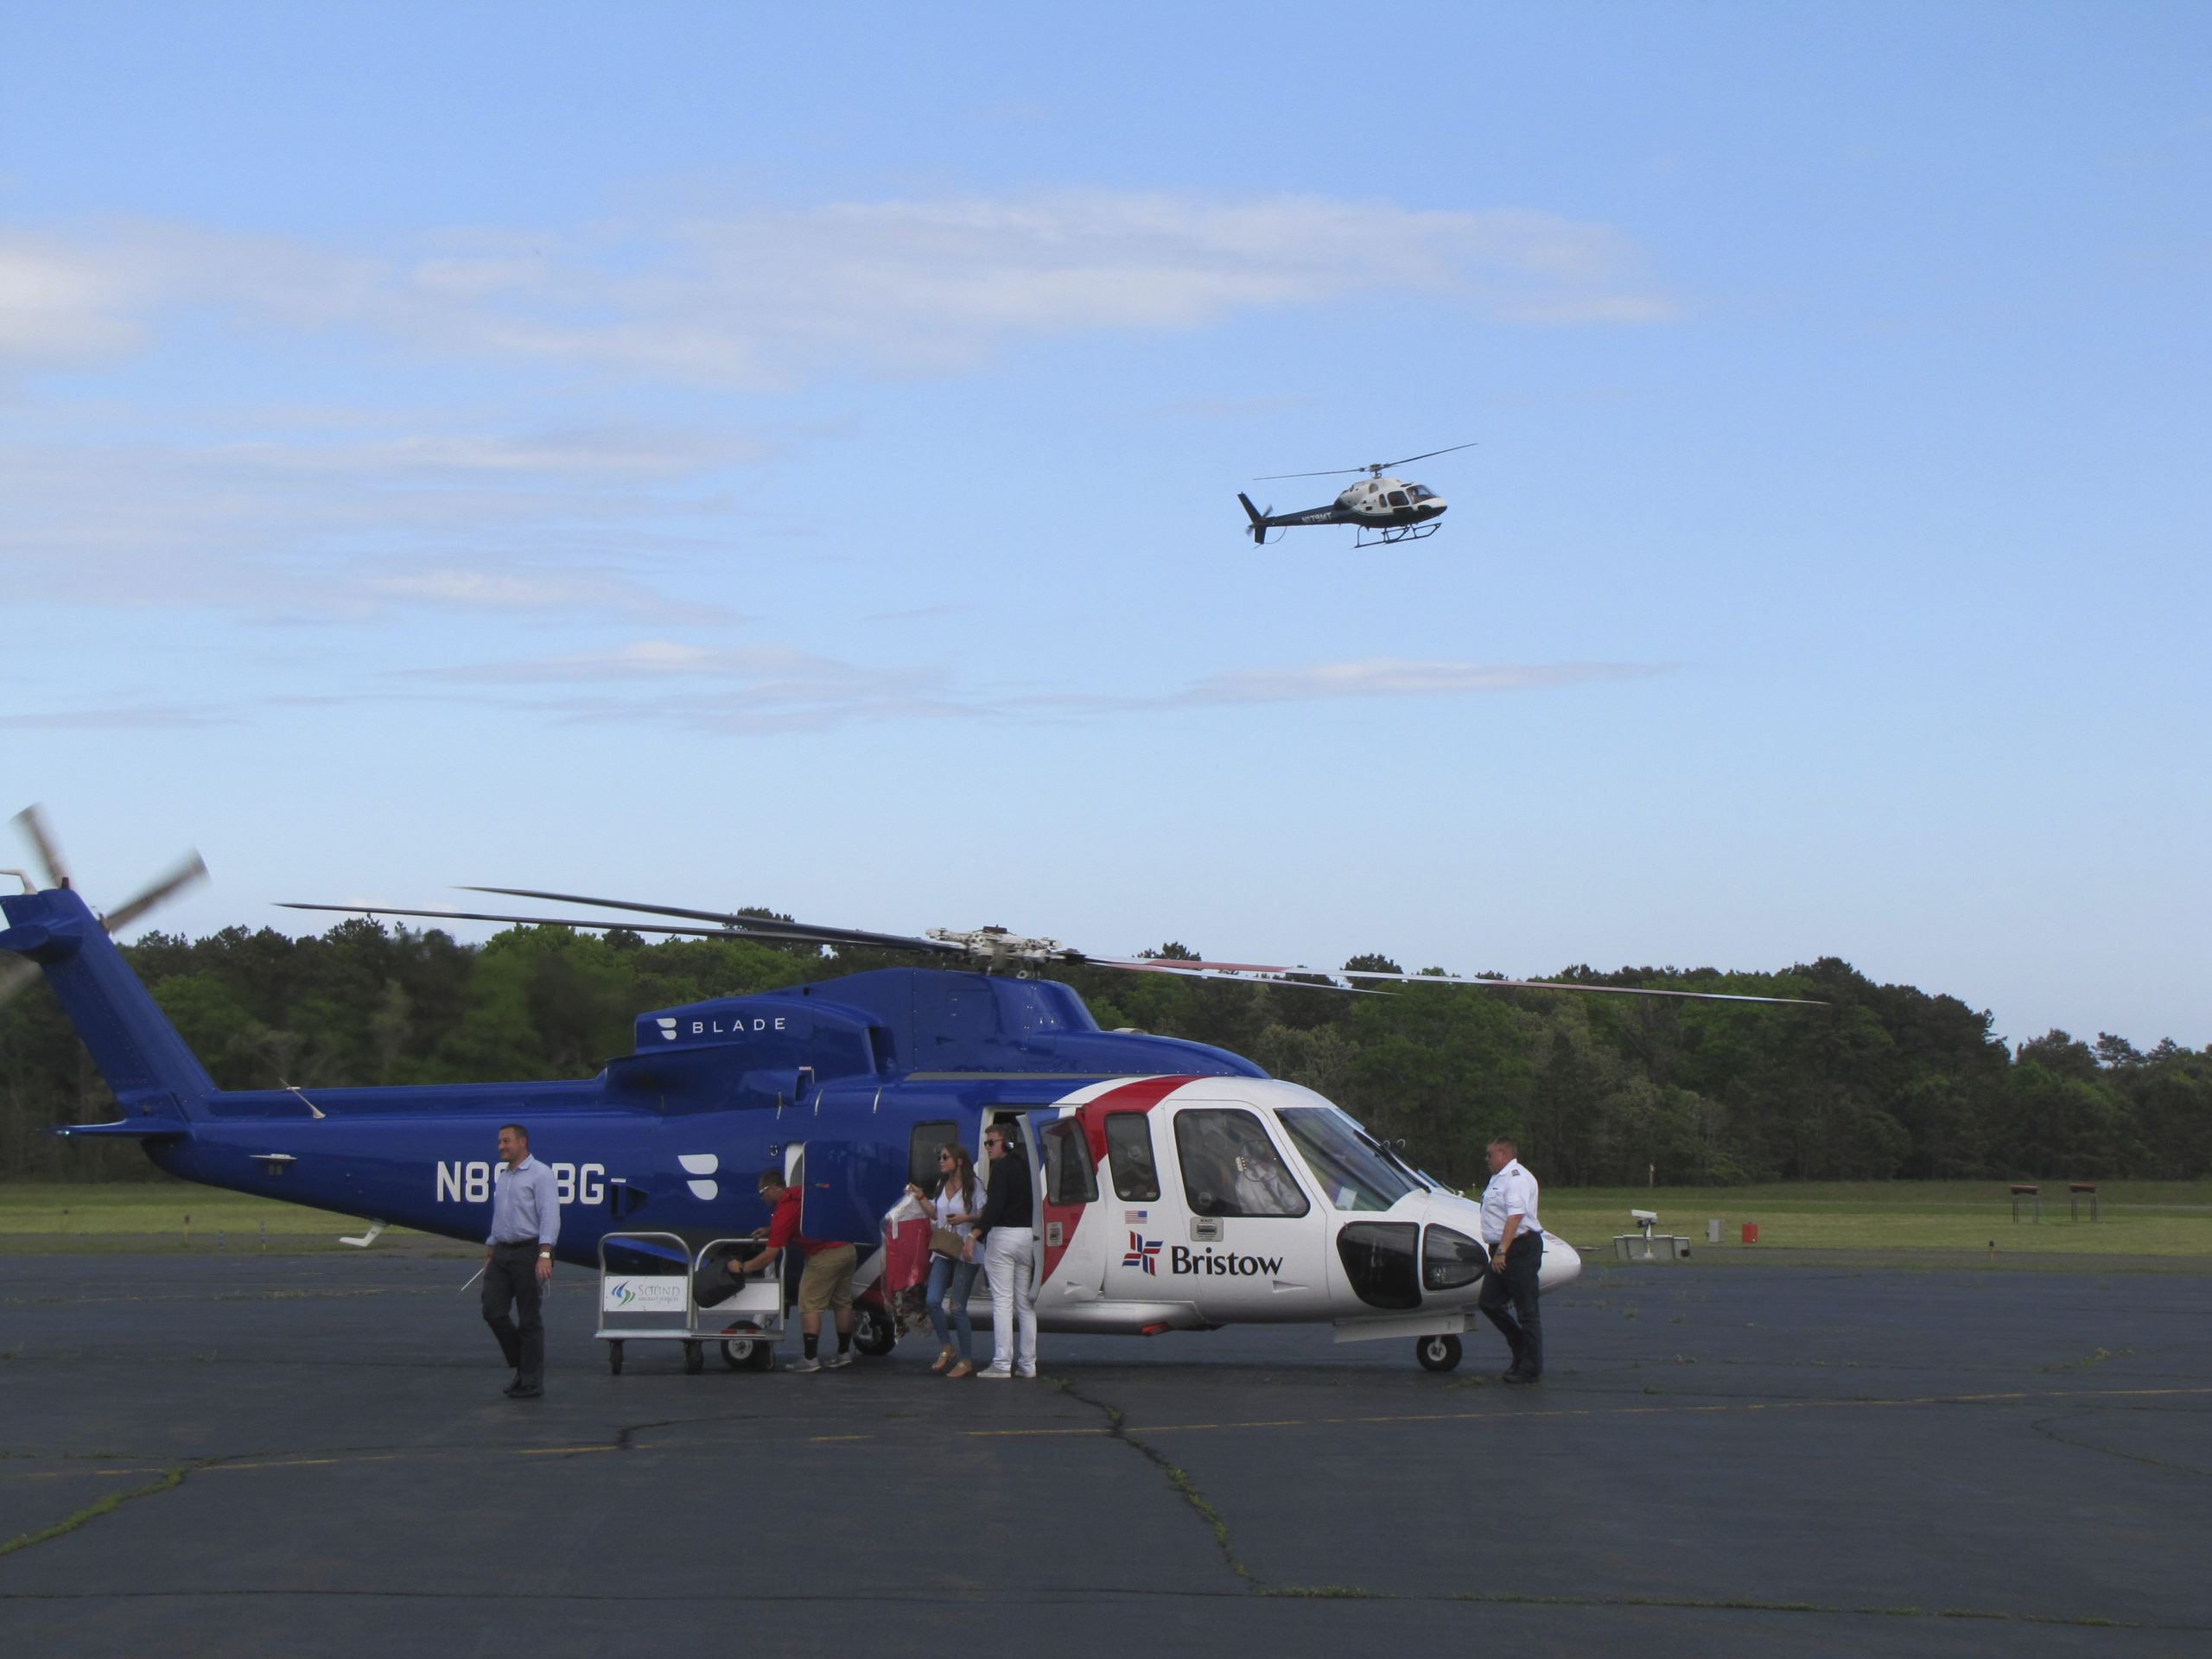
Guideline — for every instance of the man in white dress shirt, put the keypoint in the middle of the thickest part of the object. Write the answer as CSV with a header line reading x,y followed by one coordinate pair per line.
x,y
1517,1255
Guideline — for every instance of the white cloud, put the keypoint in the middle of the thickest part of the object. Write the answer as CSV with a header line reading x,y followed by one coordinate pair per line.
x,y
768,688
760,297
306,523
1391,676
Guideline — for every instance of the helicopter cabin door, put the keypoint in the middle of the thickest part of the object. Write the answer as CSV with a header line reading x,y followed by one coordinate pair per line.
x,y
1241,1236
1072,1261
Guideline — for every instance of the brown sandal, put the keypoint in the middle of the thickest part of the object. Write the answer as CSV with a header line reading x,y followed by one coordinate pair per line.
x,y
965,1367
944,1354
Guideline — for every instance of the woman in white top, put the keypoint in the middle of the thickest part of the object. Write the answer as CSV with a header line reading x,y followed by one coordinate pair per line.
x,y
955,1205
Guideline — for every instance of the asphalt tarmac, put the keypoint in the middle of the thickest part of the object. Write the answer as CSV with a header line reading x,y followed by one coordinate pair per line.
x,y
310,1455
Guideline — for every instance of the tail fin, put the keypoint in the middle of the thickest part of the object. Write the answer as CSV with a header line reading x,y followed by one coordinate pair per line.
x,y
137,1049
1259,520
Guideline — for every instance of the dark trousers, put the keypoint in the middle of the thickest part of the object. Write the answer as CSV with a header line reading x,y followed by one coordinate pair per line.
x,y
511,1276
1516,1282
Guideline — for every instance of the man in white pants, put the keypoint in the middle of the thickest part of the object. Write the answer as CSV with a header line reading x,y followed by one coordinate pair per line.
x,y
1009,1256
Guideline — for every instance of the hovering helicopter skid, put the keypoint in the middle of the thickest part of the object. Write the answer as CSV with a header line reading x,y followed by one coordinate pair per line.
x,y
1397,533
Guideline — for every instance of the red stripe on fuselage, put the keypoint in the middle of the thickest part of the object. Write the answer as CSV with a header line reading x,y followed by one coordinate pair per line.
x,y
1139,1097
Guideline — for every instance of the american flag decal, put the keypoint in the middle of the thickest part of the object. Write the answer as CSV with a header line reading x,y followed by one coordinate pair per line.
x,y
1143,1253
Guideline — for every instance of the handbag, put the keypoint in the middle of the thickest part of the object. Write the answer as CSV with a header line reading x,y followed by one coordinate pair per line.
x,y
946,1243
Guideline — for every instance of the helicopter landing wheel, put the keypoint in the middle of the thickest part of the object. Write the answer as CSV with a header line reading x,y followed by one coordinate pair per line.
x,y
614,1357
1437,1353
873,1333
695,1358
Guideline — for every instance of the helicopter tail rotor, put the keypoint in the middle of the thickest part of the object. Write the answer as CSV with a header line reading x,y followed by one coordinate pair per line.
x,y
15,977
1258,517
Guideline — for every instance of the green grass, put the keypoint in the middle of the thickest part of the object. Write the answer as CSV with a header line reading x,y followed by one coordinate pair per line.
x,y
2139,1217
45,1214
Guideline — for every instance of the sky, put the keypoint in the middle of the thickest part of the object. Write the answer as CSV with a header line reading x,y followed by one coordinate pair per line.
x,y
720,455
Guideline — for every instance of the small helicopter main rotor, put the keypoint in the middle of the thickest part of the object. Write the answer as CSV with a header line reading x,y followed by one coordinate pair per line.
x,y
1373,469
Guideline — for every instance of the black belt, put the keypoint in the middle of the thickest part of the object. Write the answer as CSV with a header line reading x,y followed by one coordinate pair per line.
x,y
519,1244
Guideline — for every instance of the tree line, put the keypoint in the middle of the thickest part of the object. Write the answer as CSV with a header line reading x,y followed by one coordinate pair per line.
x,y
1884,1082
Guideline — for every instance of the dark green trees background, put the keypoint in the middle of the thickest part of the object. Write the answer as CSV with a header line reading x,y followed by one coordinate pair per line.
x,y
1886,1081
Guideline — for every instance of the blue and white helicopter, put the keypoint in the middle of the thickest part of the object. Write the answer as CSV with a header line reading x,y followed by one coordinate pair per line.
x,y
1179,1187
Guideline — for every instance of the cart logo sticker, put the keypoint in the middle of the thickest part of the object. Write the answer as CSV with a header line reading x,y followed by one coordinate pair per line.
x,y
1143,1253
662,1292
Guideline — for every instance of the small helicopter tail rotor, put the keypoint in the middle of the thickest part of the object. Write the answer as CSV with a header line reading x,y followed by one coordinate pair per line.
x,y
1258,519
32,820
16,977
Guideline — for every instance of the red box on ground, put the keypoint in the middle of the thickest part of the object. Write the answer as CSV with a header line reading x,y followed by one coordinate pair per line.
x,y
1751,1233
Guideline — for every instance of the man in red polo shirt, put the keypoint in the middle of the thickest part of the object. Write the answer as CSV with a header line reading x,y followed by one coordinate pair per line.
x,y
826,1282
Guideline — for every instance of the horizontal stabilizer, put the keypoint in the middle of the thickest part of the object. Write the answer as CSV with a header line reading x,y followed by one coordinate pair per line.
x,y
129,1128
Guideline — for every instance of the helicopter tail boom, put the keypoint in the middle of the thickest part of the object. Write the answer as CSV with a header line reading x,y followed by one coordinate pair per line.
x,y
156,1078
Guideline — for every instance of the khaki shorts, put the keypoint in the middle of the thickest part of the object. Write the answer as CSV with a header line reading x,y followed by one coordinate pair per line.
x,y
827,1280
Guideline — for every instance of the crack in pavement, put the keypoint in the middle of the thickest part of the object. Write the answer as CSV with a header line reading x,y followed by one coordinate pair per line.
x,y
168,1480
1185,1488
2047,1428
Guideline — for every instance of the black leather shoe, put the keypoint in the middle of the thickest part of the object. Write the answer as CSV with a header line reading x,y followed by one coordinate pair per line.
x,y
525,1393
1516,1378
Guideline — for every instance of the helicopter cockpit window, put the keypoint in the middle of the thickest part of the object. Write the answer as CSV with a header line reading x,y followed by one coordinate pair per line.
x,y
1129,1155
1396,499
1069,1176
1231,1167
1350,1171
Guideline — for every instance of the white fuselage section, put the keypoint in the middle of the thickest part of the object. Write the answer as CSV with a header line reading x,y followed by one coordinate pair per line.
x,y
1179,1203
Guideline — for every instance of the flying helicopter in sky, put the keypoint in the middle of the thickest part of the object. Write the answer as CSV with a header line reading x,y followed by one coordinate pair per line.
x,y
1385,509
1179,1187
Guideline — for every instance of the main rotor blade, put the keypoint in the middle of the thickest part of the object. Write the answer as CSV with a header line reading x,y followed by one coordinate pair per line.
x,y
589,924
583,922
1245,972
14,979
1383,466
1572,985
1207,970
1372,467
192,869
766,927
33,820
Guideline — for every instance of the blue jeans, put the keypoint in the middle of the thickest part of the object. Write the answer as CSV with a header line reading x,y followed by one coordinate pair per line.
x,y
958,1277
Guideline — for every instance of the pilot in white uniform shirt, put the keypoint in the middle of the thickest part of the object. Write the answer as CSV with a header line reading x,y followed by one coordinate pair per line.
x,y
1512,1191
1515,1237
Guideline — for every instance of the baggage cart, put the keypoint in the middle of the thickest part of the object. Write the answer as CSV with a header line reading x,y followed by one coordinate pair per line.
x,y
647,1290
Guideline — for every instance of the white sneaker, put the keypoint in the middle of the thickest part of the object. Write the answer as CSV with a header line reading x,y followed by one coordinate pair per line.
x,y
994,1371
1030,1374
835,1360
803,1363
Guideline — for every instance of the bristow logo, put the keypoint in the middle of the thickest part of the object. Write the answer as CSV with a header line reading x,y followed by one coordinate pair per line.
x,y
667,1028
1143,1253
1240,1267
